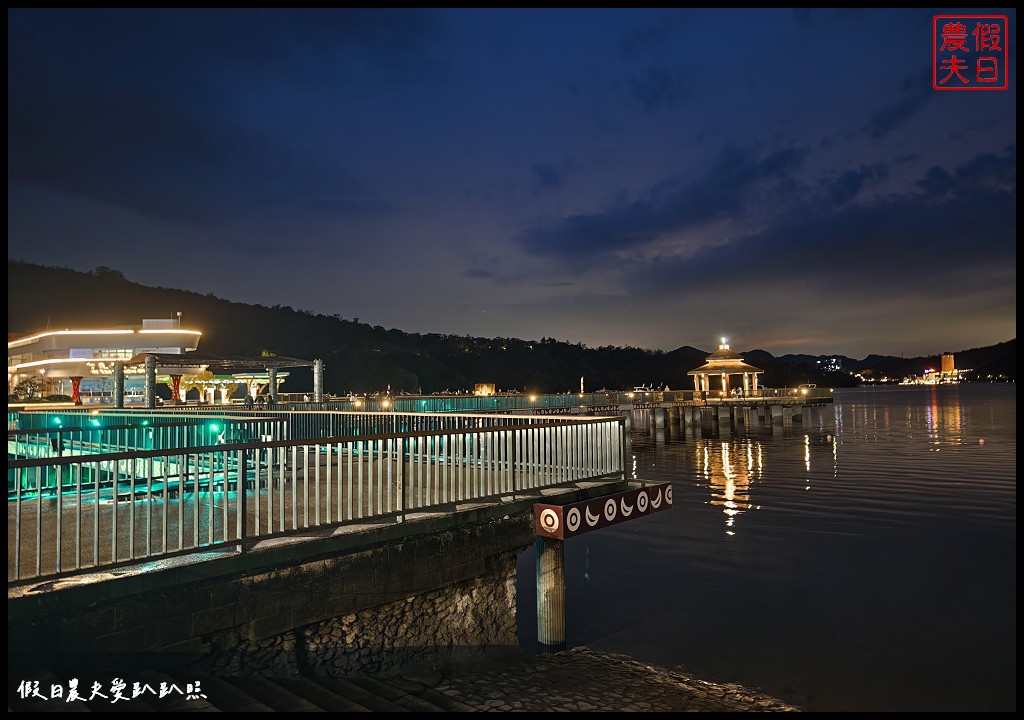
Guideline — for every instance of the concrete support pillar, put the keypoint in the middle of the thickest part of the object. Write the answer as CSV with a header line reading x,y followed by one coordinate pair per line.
x,y
149,396
318,381
658,418
708,421
550,593
628,415
118,385
776,412
688,415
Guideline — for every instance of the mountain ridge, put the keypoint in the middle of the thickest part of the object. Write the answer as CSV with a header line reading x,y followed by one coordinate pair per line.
x,y
361,358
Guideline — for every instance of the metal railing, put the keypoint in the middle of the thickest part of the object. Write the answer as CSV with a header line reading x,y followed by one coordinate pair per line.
x,y
442,405
84,512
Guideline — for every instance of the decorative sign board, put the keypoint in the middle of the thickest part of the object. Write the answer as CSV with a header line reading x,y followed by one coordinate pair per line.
x,y
566,521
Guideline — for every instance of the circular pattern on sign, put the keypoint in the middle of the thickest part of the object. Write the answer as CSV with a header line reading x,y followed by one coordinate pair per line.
x,y
572,519
610,508
641,501
549,520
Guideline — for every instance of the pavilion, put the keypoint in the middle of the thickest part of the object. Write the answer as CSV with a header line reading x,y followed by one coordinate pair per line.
x,y
725,364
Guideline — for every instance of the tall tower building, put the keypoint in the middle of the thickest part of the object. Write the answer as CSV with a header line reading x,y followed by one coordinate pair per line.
x,y
947,365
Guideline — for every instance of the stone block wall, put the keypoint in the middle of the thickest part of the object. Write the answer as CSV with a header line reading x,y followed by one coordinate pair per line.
x,y
362,606
467,617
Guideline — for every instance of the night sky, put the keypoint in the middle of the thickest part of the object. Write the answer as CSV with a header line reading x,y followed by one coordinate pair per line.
x,y
788,179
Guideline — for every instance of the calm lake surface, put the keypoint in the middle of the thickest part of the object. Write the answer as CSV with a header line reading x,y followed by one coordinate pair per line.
x,y
861,560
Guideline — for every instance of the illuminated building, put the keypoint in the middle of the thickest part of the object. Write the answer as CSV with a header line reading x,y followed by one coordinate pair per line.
x,y
80,363
946,374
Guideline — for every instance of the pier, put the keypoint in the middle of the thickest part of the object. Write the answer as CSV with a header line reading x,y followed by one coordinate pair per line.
x,y
196,531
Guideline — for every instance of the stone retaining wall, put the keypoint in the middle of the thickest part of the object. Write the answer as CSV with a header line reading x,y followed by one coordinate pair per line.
x,y
443,590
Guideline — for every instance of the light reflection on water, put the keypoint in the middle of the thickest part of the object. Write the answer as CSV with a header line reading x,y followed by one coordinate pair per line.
x,y
863,559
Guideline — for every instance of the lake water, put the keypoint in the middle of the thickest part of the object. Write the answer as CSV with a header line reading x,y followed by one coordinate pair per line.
x,y
862,560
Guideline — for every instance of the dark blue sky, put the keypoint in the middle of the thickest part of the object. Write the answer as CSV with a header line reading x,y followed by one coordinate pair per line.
x,y
788,179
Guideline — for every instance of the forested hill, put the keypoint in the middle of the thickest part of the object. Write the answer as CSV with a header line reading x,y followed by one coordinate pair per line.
x,y
362,358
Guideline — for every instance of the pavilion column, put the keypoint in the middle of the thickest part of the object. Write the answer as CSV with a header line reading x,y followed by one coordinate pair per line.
x,y
273,384
118,385
725,384
76,390
318,381
176,388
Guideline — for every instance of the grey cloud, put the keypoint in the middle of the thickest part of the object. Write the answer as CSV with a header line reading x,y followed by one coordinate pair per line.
x,y
991,170
660,87
650,38
848,185
669,207
918,93
936,181
903,242
111,133
546,175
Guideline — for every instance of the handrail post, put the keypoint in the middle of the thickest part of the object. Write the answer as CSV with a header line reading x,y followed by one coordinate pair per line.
x,y
401,478
243,493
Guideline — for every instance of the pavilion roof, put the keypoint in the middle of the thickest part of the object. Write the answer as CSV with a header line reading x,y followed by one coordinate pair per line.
x,y
725,361
729,367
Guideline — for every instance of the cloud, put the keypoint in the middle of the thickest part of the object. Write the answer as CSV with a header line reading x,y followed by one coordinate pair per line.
x,y
166,112
936,181
990,171
672,206
917,94
898,246
161,161
651,38
847,186
546,176
661,87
